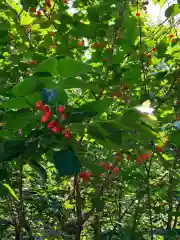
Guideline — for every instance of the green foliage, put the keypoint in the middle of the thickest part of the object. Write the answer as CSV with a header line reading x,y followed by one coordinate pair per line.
x,y
70,68
172,10
109,167
66,163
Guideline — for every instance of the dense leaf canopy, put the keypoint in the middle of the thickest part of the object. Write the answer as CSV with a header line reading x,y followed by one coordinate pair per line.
x,y
89,120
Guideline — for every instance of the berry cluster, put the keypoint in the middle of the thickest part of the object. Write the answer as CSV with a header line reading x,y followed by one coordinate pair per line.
x,y
144,157
107,167
53,125
86,175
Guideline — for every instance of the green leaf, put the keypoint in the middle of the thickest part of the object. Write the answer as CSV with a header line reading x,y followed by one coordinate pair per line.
x,y
90,165
48,65
37,167
62,97
99,106
31,149
11,149
25,87
130,118
172,10
96,133
24,118
177,214
3,174
68,67
76,83
175,137
66,163
114,134
10,190
29,3
80,116
84,30
98,204
26,19
161,49
162,2
16,103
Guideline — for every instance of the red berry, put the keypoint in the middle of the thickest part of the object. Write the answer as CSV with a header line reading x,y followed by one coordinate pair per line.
x,y
108,167
66,1
84,176
52,34
38,13
149,56
137,14
52,124
33,62
48,3
49,114
102,164
46,108
64,116
11,37
33,9
44,119
171,35
44,10
39,104
56,129
144,157
116,170
67,135
159,149
61,109
81,43
154,49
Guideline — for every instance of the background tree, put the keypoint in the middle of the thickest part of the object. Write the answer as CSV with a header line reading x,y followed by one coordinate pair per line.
x,y
90,121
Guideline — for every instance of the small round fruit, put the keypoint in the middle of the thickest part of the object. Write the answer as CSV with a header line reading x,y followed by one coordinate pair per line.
x,y
81,43
61,109
57,129
137,14
116,170
171,35
108,167
44,119
33,9
33,62
39,105
49,114
52,124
